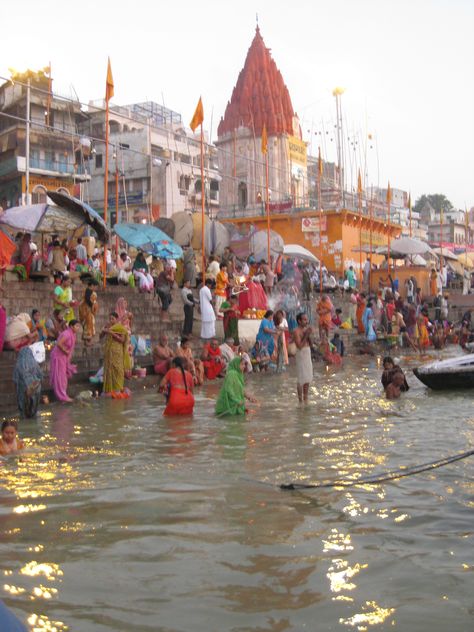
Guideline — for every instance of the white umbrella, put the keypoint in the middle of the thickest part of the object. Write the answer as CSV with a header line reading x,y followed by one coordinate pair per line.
x,y
297,251
258,244
405,246
447,254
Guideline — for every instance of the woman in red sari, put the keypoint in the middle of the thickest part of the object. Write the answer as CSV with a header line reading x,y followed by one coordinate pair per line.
x,y
177,385
360,312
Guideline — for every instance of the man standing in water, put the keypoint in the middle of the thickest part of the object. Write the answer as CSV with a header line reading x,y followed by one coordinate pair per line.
x,y
304,366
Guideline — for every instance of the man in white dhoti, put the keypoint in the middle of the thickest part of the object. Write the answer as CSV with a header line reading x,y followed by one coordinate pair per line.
x,y
208,316
304,365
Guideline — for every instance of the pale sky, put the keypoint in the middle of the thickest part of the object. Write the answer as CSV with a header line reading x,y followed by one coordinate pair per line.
x,y
405,65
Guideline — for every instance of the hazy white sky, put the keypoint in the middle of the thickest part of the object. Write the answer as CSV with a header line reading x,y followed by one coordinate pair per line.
x,y
406,66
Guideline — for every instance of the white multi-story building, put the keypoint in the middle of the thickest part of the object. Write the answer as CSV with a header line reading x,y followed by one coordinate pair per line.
x,y
154,160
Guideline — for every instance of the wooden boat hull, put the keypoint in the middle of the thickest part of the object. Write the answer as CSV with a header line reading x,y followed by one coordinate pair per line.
x,y
446,381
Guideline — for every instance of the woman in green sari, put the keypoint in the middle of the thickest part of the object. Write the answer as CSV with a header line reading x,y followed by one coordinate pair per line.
x,y
115,355
231,398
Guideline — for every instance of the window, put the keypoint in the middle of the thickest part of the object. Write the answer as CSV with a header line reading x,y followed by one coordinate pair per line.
x,y
38,195
98,161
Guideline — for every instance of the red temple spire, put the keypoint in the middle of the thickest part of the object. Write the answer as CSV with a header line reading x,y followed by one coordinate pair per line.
x,y
260,95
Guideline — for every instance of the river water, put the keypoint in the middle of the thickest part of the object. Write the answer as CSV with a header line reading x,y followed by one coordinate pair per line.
x,y
118,519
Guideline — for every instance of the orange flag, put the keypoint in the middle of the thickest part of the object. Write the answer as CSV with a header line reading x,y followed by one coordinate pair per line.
x,y
198,117
409,201
389,194
109,85
320,162
359,183
264,139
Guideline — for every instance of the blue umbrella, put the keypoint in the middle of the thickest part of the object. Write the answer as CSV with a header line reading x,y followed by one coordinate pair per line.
x,y
150,239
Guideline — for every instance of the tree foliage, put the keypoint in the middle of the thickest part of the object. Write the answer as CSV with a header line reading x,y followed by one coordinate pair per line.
x,y
437,200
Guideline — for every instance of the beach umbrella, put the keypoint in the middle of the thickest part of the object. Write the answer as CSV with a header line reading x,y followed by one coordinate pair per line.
x,y
258,244
149,239
405,246
466,261
217,237
49,218
183,227
298,252
166,225
447,254
80,208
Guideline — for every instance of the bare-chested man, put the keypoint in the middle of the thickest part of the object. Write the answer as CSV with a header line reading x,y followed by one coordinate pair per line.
x,y
304,365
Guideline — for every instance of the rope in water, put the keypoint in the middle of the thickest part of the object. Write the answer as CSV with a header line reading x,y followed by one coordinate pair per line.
x,y
381,478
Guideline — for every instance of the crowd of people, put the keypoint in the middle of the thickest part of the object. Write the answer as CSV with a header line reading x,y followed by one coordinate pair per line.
x,y
280,293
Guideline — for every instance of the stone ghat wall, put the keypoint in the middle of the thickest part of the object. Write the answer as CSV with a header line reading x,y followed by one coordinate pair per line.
x,y
20,297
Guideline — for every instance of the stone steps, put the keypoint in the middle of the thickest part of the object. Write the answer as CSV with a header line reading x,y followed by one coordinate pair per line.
x,y
20,297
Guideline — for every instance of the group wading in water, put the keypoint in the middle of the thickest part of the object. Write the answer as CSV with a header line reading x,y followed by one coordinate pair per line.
x,y
284,295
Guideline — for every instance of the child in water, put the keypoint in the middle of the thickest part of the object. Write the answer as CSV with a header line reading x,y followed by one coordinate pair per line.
x,y
9,443
395,387
390,369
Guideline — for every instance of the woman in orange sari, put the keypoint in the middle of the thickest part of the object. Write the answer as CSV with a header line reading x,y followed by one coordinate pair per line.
x,y
177,385
423,335
433,282
360,312
324,309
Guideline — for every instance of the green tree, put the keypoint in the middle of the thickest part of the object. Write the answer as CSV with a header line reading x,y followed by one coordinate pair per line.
x,y
437,200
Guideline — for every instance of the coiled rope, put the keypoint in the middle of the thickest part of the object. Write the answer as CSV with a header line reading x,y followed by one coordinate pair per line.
x,y
380,478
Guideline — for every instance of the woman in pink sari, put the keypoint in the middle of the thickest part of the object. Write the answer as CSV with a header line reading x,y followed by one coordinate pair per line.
x,y
61,368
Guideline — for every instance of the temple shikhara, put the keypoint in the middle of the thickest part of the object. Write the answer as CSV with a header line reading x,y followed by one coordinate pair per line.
x,y
260,98
337,232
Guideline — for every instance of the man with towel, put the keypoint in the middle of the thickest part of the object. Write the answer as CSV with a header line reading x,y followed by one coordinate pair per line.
x,y
304,365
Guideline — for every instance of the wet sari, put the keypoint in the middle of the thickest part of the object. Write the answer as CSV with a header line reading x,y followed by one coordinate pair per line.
x,y
178,386
115,359
27,377
231,398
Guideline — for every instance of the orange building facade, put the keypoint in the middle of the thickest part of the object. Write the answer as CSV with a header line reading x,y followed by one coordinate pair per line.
x,y
342,233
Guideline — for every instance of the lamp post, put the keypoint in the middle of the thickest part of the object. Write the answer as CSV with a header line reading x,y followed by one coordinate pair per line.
x,y
27,147
337,92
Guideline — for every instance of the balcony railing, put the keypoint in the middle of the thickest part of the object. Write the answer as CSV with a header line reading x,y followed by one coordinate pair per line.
x,y
56,166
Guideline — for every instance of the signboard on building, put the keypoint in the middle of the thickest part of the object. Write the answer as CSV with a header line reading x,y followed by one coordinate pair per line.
x,y
311,224
297,150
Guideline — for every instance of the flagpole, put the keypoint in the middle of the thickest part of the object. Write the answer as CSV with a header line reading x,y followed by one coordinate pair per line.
x,y
267,204
370,240
106,187
441,230
359,206
116,205
320,202
466,218
202,209
409,209
48,103
388,222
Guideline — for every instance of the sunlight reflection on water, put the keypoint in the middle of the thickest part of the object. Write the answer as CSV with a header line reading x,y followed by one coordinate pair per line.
x,y
117,518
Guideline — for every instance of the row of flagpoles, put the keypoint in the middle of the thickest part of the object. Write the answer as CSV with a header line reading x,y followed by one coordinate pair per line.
x,y
196,122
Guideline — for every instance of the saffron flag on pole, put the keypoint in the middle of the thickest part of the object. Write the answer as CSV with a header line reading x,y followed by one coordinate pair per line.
x,y
359,183
109,85
320,162
389,194
409,201
198,117
264,139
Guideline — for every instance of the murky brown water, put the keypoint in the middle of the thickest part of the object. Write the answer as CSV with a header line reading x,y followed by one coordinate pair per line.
x,y
119,519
